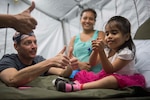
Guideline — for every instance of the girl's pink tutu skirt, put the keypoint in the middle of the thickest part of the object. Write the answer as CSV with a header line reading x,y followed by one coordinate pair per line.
x,y
123,80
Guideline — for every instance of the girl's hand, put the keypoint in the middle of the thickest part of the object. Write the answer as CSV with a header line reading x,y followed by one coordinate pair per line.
x,y
98,44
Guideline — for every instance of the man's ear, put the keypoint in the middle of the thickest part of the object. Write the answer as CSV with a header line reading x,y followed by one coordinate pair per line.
x,y
15,46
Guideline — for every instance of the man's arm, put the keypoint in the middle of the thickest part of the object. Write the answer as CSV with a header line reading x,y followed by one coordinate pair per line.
x,y
15,78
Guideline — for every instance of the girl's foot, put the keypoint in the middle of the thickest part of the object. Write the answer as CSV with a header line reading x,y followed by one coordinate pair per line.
x,y
55,81
68,87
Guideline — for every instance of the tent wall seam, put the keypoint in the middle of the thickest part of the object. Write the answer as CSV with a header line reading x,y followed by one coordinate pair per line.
x,y
134,2
42,11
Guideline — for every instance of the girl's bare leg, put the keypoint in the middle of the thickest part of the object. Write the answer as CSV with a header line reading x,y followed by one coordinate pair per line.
x,y
106,82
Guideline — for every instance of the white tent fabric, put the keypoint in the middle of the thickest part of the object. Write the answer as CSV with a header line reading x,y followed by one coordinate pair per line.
x,y
59,20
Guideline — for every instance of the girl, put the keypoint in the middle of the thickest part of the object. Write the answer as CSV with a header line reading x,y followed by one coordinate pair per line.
x,y
117,60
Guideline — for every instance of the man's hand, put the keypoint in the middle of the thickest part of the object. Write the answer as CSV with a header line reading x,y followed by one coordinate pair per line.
x,y
84,66
73,60
23,22
60,60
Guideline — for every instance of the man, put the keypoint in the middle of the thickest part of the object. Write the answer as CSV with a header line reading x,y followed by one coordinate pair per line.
x,y
20,20
20,69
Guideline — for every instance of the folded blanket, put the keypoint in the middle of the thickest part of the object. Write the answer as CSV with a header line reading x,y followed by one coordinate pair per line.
x,y
43,89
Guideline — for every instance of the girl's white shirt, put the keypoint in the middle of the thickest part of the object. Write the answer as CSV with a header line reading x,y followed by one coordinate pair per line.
x,y
124,54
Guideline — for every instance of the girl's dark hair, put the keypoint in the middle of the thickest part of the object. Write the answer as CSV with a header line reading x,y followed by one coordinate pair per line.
x,y
89,10
124,26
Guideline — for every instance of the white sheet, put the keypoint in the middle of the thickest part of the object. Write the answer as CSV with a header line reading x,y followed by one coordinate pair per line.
x,y
143,59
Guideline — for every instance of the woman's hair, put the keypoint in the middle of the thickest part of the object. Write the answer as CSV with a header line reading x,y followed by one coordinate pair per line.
x,y
89,10
124,26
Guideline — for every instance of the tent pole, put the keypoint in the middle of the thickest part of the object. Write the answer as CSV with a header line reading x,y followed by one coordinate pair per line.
x,y
6,32
64,35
